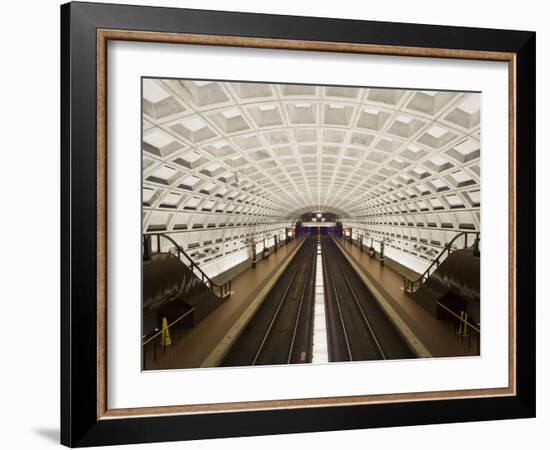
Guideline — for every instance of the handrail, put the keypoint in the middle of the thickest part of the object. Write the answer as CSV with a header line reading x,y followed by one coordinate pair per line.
x,y
411,286
461,319
224,288
159,332
152,337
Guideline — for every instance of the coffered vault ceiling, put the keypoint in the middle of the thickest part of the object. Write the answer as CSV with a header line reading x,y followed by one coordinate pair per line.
x,y
221,154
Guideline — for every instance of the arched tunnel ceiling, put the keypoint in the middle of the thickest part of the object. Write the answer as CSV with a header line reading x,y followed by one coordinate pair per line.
x,y
268,153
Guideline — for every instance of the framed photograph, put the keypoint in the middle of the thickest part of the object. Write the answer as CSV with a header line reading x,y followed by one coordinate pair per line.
x,y
278,224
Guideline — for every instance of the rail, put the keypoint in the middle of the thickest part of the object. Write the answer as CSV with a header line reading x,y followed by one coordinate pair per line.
x,y
220,290
360,309
284,297
411,286
328,275
366,321
307,281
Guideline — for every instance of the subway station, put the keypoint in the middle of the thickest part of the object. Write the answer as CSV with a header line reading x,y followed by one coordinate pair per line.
x,y
305,224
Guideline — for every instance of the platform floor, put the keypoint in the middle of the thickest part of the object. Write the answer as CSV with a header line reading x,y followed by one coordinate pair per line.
x,y
437,336
193,347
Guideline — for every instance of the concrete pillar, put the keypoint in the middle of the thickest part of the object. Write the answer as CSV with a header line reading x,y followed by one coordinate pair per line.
x,y
146,247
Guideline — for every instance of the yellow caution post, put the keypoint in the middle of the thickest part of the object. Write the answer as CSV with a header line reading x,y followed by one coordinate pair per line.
x,y
465,329
459,332
165,337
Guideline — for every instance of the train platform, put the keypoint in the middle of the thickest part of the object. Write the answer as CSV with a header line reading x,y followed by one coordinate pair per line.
x,y
206,344
428,336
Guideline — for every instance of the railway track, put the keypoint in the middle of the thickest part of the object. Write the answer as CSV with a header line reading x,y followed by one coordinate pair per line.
x,y
358,329
281,330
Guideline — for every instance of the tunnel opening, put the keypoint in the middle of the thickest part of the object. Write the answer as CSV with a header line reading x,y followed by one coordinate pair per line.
x,y
319,223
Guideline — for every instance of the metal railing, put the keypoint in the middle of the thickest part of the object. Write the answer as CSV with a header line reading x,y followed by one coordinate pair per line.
x,y
159,338
411,286
220,290
463,328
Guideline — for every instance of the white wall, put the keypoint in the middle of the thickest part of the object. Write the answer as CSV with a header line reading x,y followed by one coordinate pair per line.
x,y
229,253
30,186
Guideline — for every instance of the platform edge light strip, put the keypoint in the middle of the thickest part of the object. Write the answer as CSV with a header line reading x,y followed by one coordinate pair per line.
x,y
320,343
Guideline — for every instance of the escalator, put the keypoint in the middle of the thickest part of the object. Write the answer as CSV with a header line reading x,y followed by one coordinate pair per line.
x,y
174,286
450,287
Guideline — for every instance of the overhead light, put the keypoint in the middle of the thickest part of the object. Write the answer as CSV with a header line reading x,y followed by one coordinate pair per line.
x,y
319,215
